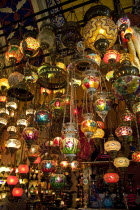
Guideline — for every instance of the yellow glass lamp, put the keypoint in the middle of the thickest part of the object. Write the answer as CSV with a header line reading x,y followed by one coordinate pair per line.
x,y
99,133
4,83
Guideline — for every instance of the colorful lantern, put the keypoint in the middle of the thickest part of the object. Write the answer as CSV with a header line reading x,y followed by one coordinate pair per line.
x,y
102,104
136,105
64,163
100,124
57,104
111,177
30,134
12,180
56,141
33,153
95,57
13,144
136,156
121,162
4,84
23,168
17,192
123,131
42,116
88,126
29,46
57,181
127,116
38,160
111,56
99,134
74,165
110,76
48,165
100,33
13,53
70,146
123,23
91,81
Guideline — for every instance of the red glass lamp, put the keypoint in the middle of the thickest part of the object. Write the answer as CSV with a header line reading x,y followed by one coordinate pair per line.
x,y
12,179
111,56
17,191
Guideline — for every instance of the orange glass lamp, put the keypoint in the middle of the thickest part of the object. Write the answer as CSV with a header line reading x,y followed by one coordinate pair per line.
x,y
136,154
111,56
33,153
99,134
23,168
64,163
4,84
12,179
88,126
127,34
74,165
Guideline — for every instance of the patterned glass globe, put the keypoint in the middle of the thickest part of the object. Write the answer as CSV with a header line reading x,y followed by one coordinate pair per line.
x,y
57,181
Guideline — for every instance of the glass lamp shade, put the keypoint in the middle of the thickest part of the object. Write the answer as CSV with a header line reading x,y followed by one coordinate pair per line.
x,y
56,141
13,54
30,112
127,116
99,134
4,112
29,46
112,144
88,126
31,76
30,133
57,181
127,34
91,82
95,57
3,121
14,78
111,177
100,33
12,180
123,131
3,99
45,91
136,156
100,124
64,163
4,84
17,191
111,56
136,106
102,105
22,122
23,169
57,104
12,129
38,160
123,23
48,166
33,153
11,104
42,116
46,36
74,165
121,162
61,65
110,76
13,144
69,129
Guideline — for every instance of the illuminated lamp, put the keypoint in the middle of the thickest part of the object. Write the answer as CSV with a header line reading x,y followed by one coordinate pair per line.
x,y
42,116
57,104
111,56
30,76
127,34
3,99
17,191
127,116
11,129
4,112
123,23
64,163
99,134
88,126
136,156
45,91
100,33
23,168
121,162
100,124
13,144
123,132
33,153
136,106
95,57
111,177
74,165
112,146
70,146
48,165
29,46
13,53
110,76
56,141
12,179
3,122
91,82
22,123
4,84
11,104
57,181
61,65
30,134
